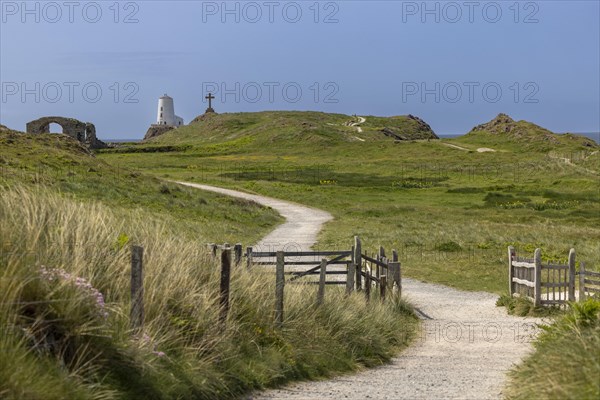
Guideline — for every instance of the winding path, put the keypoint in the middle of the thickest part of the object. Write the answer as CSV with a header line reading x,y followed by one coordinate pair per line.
x,y
298,232
466,346
361,120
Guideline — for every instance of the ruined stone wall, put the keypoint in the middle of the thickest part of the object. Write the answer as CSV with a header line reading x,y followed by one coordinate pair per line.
x,y
80,131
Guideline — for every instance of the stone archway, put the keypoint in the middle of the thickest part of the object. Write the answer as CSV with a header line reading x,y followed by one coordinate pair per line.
x,y
83,132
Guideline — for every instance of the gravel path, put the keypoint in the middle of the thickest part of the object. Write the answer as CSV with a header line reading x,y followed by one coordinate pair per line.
x,y
299,231
465,348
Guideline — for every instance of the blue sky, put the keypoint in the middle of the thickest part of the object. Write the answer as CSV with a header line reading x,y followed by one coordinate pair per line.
x,y
454,64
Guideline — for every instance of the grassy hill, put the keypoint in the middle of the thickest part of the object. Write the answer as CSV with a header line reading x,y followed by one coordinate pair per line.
x,y
504,130
67,220
447,206
255,130
64,165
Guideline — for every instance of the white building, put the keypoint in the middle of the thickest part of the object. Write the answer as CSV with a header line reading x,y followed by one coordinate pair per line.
x,y
166,112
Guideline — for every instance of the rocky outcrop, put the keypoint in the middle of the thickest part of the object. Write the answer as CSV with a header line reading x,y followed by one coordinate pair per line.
x,y
157,130
414,128
527,132
83,132
505,125
501,124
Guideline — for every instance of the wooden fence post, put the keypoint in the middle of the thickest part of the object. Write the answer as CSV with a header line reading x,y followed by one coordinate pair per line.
x,y
396,276
237,249
358,262
537,291
367,284
248,257
380,257
582,281
390,277
225,279
572,275
279,285
381,252
214,248
511,254
350,277
382,288
322,277
137,288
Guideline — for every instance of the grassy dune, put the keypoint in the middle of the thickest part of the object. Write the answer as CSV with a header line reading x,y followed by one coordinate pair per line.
x,y
61,342
62,165
67,221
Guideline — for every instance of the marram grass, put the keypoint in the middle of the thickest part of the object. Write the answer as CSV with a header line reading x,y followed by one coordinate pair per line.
x,y
60,341
566,361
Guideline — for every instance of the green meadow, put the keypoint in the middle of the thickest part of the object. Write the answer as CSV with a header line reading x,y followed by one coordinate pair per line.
x,y
67,223
449,207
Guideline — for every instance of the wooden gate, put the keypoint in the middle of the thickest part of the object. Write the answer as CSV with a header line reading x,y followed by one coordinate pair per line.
x,y
543,284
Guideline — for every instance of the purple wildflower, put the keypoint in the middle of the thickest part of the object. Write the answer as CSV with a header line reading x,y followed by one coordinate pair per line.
x,y
81,283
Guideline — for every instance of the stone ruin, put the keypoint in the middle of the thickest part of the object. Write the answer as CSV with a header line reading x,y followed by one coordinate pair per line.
x,y
83,132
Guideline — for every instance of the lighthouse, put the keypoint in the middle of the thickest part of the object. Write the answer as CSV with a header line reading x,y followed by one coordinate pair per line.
x,y
166,112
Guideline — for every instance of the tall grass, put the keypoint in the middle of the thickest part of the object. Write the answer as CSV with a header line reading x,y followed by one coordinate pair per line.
x,y
566,361
61,341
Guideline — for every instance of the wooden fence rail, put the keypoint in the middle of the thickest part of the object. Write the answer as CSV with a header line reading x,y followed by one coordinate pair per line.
x,y
350,268
550,283
361,271
589,283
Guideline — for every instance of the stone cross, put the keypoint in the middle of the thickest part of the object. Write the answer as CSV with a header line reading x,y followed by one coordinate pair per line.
x,y
210,97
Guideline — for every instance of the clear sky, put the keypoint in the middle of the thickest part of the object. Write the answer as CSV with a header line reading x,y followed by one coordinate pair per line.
x,y
454,64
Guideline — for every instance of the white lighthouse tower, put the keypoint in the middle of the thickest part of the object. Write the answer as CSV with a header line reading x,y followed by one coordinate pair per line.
x,y
166,113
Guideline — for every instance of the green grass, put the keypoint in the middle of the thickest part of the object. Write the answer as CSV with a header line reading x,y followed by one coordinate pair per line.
x,y
62,343
415,196
451,214
55,162
68,219
524,307
566,361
